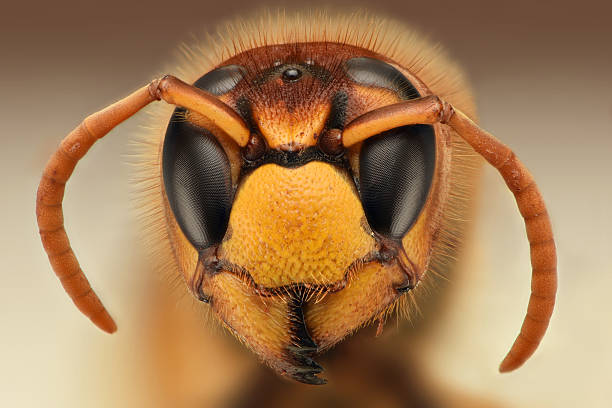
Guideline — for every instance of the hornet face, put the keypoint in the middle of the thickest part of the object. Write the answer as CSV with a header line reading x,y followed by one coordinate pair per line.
x,y
305,186
294,240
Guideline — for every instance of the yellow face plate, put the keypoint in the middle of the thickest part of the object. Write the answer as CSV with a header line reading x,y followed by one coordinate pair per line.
x,y
302,225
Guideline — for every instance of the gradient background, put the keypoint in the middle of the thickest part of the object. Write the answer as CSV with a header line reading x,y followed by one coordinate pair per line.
x,y
542,76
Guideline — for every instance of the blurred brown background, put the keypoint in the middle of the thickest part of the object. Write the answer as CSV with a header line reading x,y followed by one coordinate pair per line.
x,y
542,76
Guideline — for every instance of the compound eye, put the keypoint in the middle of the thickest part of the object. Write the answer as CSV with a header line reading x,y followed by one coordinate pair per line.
x,y
374,72
221,80
396,170
197,180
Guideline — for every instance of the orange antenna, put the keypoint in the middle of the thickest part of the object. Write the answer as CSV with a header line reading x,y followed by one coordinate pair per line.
x,y
430,110
177,92
58,170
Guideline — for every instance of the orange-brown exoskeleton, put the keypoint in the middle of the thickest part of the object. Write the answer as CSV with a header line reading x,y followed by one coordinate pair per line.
x,y
309,177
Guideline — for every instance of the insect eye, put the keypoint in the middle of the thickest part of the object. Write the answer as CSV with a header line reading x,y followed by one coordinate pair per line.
x,y
291,74
197,180
374,72
395,173
221,80
196,170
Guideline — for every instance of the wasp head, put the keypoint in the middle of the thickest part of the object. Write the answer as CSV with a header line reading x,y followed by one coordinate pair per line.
x,y
294,240
307,183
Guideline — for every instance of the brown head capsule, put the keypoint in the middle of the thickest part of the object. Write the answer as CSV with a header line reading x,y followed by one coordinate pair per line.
x,y
296,240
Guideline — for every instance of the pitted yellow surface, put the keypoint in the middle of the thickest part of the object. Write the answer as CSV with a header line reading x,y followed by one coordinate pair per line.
x,y
300,225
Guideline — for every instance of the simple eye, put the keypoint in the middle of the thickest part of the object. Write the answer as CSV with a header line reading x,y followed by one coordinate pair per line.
x,y
395,174
197,180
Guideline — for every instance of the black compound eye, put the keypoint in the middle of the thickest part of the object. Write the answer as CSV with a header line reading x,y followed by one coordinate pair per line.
x,y
374,72
396,170
197,180
196,170
221,80
395,167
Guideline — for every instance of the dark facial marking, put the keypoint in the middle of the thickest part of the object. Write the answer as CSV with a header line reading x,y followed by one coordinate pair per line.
x,y
374,72
337,114
243,108
293,159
